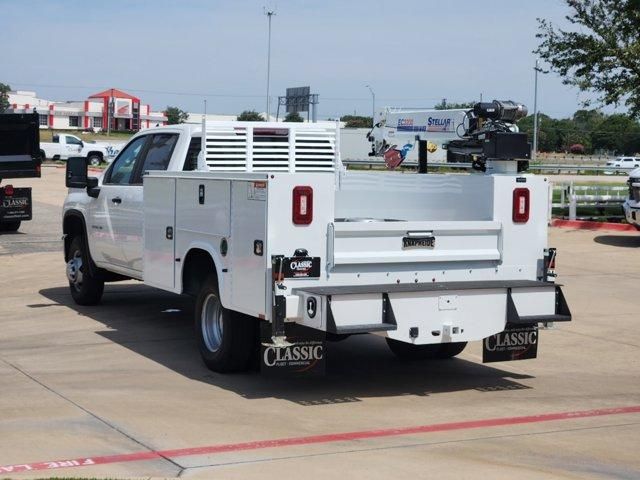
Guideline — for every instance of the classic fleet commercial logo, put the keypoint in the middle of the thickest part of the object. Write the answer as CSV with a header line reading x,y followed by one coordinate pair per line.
x,y
304,355
511,340
301,268
14,202
516,343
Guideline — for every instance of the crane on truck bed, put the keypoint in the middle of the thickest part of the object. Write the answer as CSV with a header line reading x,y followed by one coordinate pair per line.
x,y
487,130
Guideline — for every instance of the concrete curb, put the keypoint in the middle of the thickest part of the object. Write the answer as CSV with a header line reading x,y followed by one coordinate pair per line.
x,y
588,225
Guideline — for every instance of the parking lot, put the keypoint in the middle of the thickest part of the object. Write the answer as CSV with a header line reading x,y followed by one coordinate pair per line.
x,y
119,390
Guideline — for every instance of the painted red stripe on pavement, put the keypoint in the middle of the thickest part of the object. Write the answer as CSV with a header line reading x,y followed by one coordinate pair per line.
x,y
315,439
590,225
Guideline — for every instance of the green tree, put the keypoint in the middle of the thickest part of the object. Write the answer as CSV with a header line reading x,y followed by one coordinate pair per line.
x,y
250,116
293,117
619,133
357,121
444,105
601,51
175,115
4,97
548,138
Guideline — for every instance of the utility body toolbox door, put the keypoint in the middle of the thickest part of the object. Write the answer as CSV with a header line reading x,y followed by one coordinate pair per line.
x,y
159,232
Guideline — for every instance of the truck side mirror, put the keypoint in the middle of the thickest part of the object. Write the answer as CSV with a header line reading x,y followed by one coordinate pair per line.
x,y
76,174
92,187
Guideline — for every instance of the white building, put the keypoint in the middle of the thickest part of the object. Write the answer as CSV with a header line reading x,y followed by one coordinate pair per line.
x,y
127,113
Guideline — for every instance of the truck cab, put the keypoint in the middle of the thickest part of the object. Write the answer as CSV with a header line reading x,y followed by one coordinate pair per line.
x,y
113,210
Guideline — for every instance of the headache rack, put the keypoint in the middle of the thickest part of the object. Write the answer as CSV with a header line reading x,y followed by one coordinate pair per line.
x,y
270,146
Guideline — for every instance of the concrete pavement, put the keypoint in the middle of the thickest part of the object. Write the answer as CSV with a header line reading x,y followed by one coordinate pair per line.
x,y
124,378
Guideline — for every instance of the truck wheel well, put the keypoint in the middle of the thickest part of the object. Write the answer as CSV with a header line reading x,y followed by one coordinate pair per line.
x,y
198,265
72,226
98,154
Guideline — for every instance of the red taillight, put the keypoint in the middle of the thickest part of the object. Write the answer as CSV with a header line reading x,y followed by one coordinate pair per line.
x,y
521,205
302,205
8,190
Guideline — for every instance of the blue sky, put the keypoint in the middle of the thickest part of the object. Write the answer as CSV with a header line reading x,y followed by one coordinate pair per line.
x,y
412,53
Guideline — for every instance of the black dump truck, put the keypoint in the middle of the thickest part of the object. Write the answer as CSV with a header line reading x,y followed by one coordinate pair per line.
x,y
19,158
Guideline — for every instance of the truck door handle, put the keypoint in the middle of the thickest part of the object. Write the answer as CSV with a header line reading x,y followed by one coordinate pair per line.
x,y
116,200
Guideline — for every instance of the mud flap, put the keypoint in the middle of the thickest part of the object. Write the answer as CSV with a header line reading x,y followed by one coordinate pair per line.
x,y
303,355
516,342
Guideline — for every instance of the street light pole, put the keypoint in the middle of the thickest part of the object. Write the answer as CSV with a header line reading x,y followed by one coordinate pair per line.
x,y
535,111
373,106
269,14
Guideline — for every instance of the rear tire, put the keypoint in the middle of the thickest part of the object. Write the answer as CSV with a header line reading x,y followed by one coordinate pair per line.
x,y
86,288
409,351
226,339
10,226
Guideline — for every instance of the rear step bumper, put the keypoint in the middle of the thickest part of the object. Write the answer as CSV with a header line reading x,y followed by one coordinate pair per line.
x,y
441,294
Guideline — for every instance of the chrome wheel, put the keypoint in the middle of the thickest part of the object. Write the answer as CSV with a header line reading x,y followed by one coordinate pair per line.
x,y
74,270
211,322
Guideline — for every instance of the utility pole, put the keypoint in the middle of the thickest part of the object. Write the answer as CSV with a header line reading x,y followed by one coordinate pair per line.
x,y
535,111
269,14
373,106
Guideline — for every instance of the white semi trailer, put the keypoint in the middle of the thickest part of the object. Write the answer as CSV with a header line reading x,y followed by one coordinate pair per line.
x,y
267,230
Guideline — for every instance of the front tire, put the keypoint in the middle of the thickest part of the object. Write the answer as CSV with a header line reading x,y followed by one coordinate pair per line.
x,y
94,160
409,351
226,339
86,289
10,226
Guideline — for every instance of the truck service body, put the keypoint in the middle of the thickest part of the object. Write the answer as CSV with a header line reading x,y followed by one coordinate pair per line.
x,y
265,226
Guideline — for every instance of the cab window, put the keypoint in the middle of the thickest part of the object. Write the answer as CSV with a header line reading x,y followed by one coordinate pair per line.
x,y
122,169
158,154
73,141
191,159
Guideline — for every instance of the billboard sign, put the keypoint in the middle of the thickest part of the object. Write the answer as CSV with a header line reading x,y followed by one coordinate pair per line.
x,y
298,99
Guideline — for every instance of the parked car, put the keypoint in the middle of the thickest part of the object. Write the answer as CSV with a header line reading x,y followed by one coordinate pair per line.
x,y
625,163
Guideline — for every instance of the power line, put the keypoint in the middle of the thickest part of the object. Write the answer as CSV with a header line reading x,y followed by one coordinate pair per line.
x,y
206,94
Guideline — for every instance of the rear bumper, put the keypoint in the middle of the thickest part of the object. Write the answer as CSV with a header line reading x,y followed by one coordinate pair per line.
x,y
424,313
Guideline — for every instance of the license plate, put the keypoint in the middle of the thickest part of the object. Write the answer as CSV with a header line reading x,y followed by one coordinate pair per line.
x,y
418,242
16,206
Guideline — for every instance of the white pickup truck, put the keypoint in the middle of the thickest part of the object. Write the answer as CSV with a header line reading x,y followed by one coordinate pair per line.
x,y
631,206
65,146
262,225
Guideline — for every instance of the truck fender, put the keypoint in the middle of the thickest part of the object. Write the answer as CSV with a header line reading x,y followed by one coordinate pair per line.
x,y
216,258
73,223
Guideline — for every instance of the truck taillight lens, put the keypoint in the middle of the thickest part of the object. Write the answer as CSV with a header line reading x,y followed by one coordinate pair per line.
x,y
8,190
302,205
521,203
